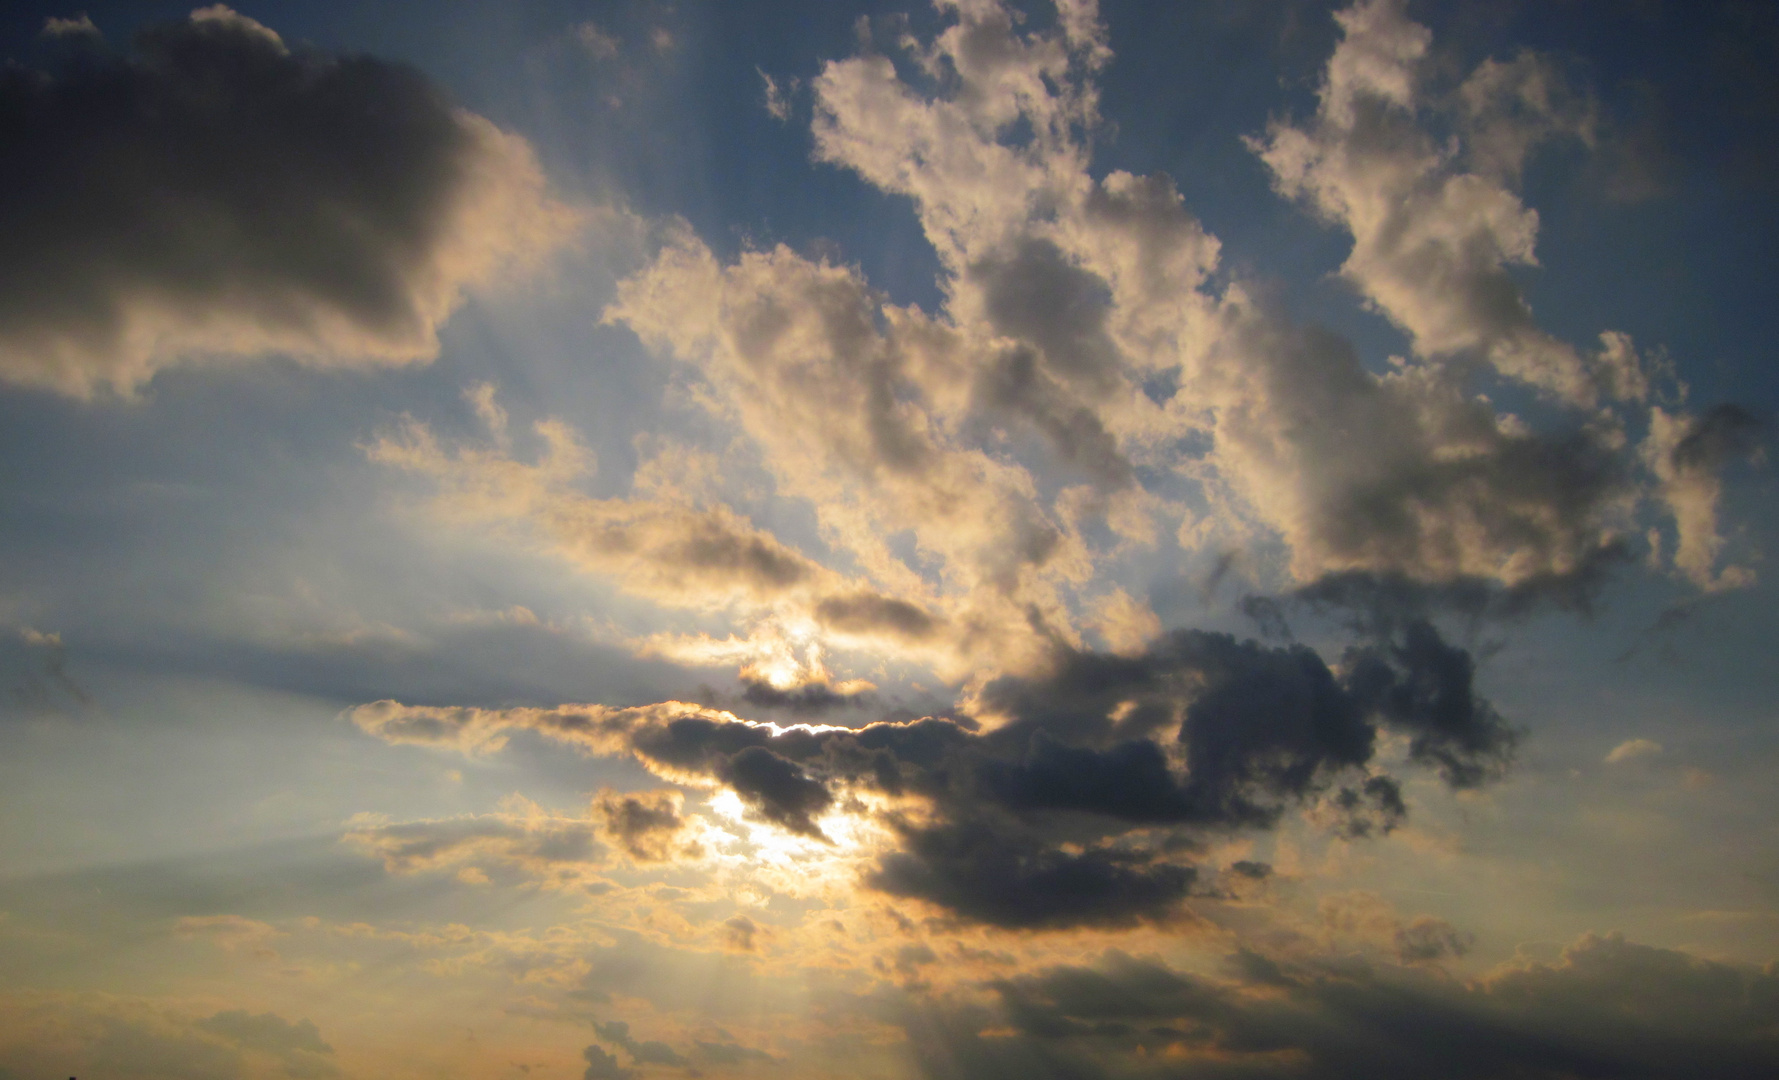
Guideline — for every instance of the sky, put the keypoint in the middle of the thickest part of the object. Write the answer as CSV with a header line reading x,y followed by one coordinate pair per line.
x,y
626,540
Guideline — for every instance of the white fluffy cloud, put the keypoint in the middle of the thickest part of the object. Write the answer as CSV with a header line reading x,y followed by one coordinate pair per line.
x,y
980,473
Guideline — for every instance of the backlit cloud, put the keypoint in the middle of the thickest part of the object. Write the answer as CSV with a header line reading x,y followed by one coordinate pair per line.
x,y
214,193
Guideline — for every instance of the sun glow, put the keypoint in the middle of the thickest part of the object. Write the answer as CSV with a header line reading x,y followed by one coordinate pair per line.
x,y
792,863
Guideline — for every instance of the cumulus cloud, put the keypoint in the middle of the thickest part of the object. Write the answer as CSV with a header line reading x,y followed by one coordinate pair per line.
x,y
1687,454
1092,384
1084,345
1089,378
213,193
1432,243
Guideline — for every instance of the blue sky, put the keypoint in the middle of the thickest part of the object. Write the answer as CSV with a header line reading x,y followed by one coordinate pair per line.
x,y
634,539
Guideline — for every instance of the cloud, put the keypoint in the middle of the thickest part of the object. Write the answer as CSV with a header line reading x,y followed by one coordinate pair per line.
x,y
1012,878
79,26
1084,343
1367,918
667,549
298,1046
1509,107
1608,1007
1092,383
230,932
739,933
113,1035
601,1065
523,842
1631,749
1061,812
215,194
642,1052
1089,375
1431,244
1687,454
600,44
646,825
778,95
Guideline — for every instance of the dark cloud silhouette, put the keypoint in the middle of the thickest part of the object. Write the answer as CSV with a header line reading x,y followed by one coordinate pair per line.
x,y
1374,807
213,192
866,613
776,789
1019,878
1427,688
646,825
1082,806
601,1065
1375,603
1258,725
806,699
1608,1008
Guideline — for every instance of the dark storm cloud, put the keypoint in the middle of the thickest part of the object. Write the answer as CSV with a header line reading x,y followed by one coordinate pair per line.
x,y
1259,728
1259,725
212,192
1608,1008
1426,687
776,789
1018,878
1080,806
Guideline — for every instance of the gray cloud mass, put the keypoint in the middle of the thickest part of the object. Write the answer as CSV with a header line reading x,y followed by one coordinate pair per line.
x,y
213,193
1606,1008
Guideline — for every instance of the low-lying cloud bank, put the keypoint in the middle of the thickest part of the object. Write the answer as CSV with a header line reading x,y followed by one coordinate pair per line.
x,y
1607,1008
214,193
